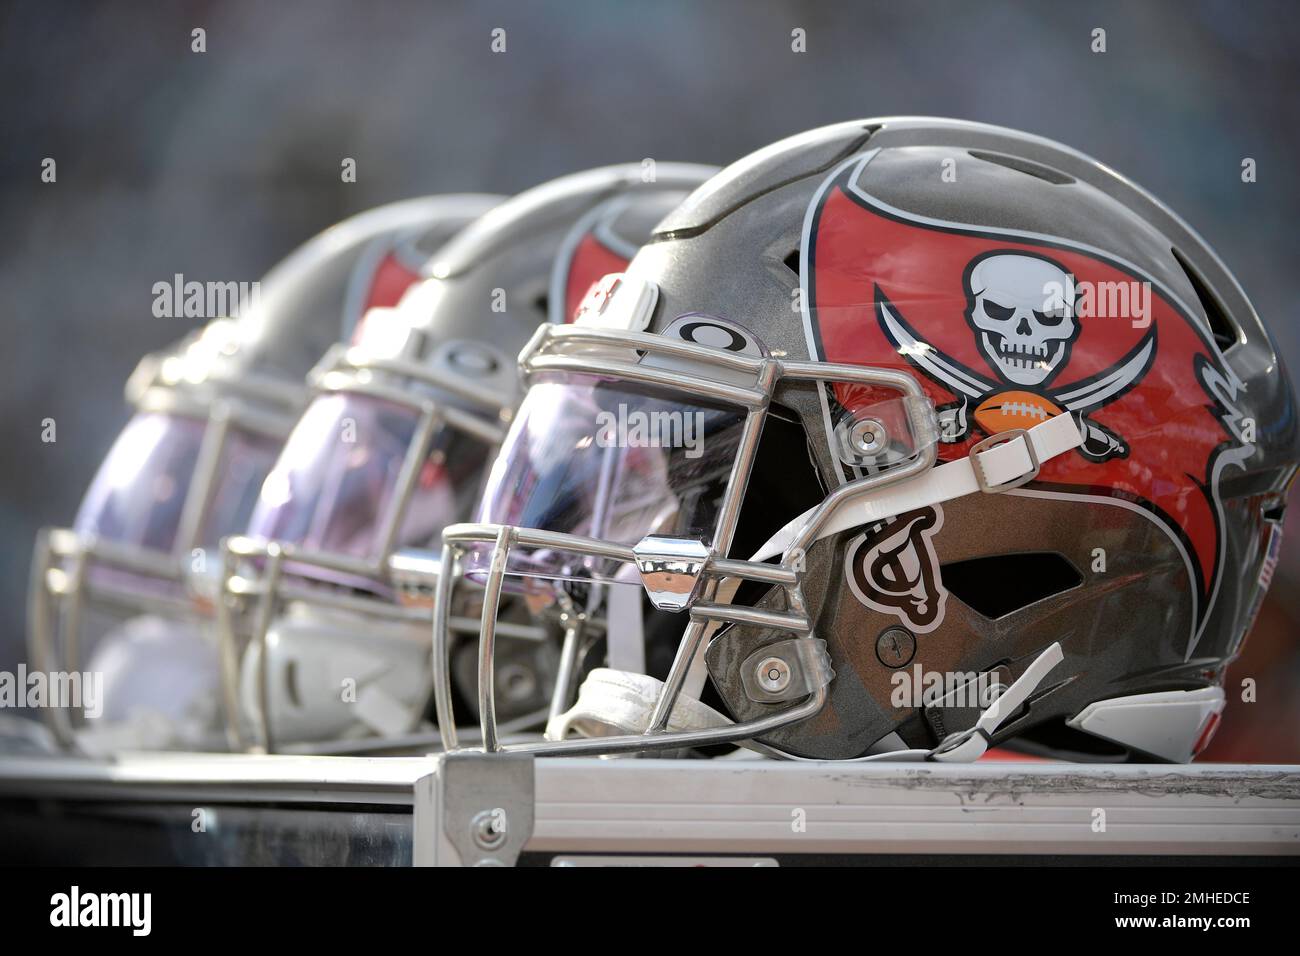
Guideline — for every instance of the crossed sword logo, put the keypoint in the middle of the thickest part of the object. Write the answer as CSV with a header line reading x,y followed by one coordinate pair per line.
x,y
1100,443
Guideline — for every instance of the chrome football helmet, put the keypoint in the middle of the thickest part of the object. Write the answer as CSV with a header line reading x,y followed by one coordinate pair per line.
x,y
917,435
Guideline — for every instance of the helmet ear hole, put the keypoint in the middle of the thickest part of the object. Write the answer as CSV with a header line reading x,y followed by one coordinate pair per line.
x,y
1275,512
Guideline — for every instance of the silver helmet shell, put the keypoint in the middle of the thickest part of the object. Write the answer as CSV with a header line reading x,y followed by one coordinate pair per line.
x,y
949,262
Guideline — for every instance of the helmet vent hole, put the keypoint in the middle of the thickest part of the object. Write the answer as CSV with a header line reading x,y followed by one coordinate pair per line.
x,y
1225,332
543,305
1045,173
291,683
1002,584
792,261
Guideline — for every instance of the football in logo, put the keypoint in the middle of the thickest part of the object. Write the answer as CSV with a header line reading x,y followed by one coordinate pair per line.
x,y
1007,410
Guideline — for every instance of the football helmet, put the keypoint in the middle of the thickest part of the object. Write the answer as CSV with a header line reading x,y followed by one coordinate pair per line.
x,y
129,585
921,434
325,626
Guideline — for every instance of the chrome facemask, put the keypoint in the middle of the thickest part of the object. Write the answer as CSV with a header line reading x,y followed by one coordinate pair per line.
x,y
413,420
613,527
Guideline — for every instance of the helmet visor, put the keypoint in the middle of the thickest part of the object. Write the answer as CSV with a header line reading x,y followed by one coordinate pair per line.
x,y
139,493
608,459
338,480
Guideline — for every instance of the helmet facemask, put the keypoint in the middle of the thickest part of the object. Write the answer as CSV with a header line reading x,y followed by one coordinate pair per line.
x,y
591,486
390,451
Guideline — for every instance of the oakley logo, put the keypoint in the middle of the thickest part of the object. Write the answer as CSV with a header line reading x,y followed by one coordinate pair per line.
x,y
634,428
892,568
472,359
713,332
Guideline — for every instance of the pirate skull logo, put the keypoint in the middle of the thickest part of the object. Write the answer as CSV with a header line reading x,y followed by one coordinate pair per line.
x,y
1022,310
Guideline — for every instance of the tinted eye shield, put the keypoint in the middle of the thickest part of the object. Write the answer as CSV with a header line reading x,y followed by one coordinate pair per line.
x,y
259,575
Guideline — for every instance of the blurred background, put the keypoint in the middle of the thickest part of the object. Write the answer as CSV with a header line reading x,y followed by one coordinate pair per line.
x,y
216,164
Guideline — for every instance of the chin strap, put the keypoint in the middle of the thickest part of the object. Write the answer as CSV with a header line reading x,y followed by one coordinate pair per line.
x,y
996,464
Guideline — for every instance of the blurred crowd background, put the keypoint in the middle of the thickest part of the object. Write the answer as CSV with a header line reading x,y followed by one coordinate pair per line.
x,y
214,165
